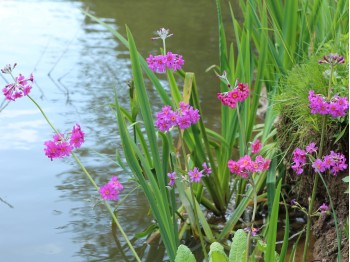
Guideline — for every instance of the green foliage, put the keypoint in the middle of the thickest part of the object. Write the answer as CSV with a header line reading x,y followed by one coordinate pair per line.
x,y
263,247
238,246
184,254
275,37
297,126
217,253
272,224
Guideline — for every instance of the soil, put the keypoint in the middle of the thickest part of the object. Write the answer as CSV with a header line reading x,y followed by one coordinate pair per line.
x,y
323,227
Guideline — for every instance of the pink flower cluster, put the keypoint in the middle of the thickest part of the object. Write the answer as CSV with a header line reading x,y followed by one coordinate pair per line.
x,y
237,94
111,190
20,88
334,162
245,165
183,117
160,63
60,146
196,175
337,106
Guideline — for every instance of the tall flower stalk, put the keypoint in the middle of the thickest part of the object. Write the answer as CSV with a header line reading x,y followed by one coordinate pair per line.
x,y
21,87
332,60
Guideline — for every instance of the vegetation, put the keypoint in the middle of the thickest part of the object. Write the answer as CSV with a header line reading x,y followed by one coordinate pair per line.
x,y
187,170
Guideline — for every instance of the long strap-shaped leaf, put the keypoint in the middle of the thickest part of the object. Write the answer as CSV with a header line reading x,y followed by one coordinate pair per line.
x,y
158,205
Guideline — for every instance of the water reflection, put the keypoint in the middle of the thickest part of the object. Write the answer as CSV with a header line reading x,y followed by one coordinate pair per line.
x,y
77,64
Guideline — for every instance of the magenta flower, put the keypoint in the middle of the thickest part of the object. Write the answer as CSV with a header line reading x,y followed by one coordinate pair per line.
x,y
195,175
311,148
20,88
207,170
61,146
256,146
111,190
114,182
318,165
238,94
245,165
324,208
108,192
234,167
298,168
172,177
336,107
57,148
184,117
77,136
160,63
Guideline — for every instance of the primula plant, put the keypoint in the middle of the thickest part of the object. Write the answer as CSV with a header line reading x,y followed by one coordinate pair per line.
x,y
192,175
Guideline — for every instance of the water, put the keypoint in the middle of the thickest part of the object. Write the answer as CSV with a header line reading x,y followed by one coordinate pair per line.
x,y
49,210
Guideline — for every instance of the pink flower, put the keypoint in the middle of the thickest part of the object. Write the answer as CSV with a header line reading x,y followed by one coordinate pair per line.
x,y
114,182
234,167
324,208
245,165
336,107
237,94
206,169
172,177
77,136
311,148
195,175
298,168
256,146
108,192
60,146
160,63
318,165
184,117
111,190
299,156
20,88
57,148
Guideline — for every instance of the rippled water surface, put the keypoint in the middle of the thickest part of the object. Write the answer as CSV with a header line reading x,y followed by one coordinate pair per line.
x,y
49,210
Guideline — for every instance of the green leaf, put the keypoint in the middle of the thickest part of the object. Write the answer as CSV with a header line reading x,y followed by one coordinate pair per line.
x,y
238,246
217,253
184,254
286,235
147,231
272,229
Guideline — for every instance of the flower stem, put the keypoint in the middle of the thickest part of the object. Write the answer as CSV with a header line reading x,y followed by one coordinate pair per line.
x,y
314,189
193,200
92,182
44,115
241,128
255,202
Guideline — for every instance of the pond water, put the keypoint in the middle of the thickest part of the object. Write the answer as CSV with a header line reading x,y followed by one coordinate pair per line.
x,y
48,208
